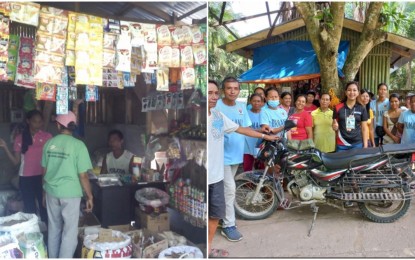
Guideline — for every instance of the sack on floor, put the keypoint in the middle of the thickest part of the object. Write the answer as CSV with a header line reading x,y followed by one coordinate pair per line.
x,y
107,244
9,247
19,223
32,245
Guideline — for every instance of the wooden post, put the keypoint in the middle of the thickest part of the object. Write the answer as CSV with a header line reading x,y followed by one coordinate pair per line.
x,y
47,112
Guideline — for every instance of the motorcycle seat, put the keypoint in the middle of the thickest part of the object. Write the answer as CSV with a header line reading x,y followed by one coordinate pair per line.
x,y
398,148
359,156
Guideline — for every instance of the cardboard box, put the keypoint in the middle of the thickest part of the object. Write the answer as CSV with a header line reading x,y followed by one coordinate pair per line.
x,y
154,223
122,228
150,251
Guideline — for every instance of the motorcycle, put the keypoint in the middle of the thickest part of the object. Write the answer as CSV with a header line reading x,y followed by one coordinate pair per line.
x,y
378,179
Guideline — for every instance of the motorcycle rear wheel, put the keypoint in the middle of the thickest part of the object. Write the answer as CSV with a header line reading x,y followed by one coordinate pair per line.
x,y
385,211
263,205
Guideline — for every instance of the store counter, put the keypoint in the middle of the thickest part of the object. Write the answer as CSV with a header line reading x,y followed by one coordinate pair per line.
x,y
114,205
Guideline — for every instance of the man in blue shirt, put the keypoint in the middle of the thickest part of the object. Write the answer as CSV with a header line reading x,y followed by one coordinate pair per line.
x,y
379,107
234,151
406,124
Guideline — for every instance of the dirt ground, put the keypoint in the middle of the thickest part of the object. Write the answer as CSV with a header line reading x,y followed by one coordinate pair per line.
x,y
336,233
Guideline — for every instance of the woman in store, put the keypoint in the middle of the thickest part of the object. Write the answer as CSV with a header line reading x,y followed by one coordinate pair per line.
x,y
323,134
350,121
256,102
364,100
286,99
119,160
65,161
390,121
309,106
28,152
303,120
272,118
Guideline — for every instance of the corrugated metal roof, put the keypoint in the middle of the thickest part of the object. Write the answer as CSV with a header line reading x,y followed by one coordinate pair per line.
x,y
151,12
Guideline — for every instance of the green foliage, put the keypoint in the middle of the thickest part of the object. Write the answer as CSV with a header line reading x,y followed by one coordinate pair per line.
x,y
392,17
222,63
398,77
325,17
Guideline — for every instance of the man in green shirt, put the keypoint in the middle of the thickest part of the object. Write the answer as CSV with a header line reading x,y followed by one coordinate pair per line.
x,y
65,161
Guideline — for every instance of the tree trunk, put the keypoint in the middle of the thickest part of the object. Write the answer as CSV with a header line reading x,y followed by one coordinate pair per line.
x,y
325,41
408,67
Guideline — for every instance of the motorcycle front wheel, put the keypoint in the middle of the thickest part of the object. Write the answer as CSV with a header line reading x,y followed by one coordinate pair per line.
x,y
385,211
260,207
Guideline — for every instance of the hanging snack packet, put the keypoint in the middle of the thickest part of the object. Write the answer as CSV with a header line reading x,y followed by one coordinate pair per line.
x,y
91,93
45,91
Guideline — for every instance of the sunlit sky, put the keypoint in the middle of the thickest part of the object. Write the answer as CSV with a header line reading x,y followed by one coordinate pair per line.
x,y
248,8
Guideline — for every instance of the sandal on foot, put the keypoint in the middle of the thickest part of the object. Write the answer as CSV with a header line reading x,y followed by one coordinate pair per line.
x,y
218,253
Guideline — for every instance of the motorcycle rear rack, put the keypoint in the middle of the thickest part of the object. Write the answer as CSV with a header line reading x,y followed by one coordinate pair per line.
x,y
372,196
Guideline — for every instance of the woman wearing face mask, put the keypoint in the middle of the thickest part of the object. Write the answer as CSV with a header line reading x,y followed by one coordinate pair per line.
x,y
303,119
272,118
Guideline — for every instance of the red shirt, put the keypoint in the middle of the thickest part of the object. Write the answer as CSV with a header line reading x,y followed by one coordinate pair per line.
x,y
303,120
310,108
30,163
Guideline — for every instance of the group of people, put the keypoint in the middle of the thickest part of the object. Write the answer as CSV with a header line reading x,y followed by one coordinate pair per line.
x,y
357,122
53,176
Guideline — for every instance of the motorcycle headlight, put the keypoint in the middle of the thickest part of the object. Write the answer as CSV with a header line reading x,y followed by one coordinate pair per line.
x,y
266,151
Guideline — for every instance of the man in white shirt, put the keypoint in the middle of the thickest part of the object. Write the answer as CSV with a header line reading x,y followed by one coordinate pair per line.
x,y
218,125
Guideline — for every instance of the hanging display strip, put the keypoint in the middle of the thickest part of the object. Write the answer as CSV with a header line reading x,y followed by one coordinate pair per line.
x,y
188,77
25,12
201,83
161,101
65,38
123,57
50,45
163,79
12,57
136,60
62,95
62,103
70,40
89,50
199,53
4,45
150,48
25,64
110,41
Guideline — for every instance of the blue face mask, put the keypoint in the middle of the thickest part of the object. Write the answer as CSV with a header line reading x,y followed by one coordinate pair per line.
x,y
273,103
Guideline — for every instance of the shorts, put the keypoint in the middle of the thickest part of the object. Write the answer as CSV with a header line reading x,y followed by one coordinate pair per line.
x,y
216,200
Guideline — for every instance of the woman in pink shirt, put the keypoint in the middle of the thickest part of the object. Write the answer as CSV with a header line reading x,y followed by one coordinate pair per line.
x,y
303,119
28,148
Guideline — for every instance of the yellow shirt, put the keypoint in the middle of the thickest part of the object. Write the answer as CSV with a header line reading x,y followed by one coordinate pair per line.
x,y
323,133
371,116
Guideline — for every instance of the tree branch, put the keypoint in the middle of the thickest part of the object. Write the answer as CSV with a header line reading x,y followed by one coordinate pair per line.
x,y
337,10
371,36
308,11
